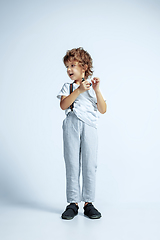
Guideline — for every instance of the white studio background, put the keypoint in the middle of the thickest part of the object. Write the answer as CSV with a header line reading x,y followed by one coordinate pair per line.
x,y
123,38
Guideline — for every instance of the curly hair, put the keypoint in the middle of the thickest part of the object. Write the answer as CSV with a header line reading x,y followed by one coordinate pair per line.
x,y
82,57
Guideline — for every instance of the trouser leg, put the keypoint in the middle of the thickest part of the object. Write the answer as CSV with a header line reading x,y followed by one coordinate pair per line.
x,y
89,147
71,144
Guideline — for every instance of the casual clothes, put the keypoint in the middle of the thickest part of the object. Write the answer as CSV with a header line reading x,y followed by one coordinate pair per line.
x,y
80,148
85,105
80,142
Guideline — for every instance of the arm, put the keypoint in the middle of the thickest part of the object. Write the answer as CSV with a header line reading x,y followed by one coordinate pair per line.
x,y
101,104
67,101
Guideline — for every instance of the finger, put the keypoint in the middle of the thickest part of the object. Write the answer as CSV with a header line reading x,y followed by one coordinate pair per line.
x,y
96,79
93,82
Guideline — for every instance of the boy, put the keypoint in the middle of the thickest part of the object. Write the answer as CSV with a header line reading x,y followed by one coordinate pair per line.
x,y
80,131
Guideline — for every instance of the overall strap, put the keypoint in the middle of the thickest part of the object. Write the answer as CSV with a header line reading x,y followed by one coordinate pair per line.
x,y
71,90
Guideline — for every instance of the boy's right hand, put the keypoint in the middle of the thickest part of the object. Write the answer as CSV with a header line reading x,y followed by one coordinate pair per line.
x,y
84,86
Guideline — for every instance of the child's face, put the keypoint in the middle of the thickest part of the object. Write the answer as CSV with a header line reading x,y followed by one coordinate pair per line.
x,y
74,70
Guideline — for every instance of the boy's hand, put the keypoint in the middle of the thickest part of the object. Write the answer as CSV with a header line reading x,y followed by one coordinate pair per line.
x,y
95,83
84,86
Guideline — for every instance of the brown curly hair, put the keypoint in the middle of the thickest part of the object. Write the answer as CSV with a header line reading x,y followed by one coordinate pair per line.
x,y
82,57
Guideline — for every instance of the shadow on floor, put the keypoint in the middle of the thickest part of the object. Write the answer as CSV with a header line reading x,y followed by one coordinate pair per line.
x,y
41,206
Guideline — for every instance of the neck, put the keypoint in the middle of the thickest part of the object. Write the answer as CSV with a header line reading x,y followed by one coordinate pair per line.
x,y
79,81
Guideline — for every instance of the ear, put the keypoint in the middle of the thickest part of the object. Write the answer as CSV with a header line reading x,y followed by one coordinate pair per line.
x,y
85,67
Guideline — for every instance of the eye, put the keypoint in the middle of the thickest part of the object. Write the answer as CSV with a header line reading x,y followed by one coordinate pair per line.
x,y
72,65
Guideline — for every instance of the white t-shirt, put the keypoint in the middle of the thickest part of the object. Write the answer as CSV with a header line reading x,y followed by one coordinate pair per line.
x,y
85,105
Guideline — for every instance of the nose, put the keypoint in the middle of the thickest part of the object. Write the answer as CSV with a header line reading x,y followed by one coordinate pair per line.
x,y
69,68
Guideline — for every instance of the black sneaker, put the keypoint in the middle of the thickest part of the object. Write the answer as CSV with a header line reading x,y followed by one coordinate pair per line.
x,y
70,212
91,212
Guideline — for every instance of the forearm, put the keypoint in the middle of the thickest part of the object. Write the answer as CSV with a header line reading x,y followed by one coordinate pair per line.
x,y
101,104
67,101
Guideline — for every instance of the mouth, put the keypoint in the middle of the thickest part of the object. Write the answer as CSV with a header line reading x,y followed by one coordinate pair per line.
x,y
71,74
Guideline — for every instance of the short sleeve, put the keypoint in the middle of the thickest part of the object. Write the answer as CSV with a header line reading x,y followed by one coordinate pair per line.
x,y
92,94
64,91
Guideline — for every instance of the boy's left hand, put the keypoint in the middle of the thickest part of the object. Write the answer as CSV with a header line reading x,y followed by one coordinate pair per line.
x,y
95,83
